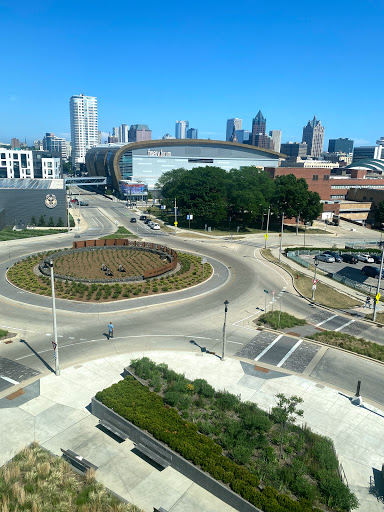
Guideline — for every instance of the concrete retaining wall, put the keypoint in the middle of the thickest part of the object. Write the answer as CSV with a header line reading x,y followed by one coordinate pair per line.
x,y
177,461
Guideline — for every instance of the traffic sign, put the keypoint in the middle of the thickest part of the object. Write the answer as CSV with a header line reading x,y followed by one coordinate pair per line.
x,y
266,291
54,345
314,281
378,297
203,261
266,235
313,287
175,223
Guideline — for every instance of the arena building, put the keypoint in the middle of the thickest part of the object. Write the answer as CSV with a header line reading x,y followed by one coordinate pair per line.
x,y
144,162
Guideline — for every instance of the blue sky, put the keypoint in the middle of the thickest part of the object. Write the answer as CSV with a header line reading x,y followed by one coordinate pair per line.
x,y
155,62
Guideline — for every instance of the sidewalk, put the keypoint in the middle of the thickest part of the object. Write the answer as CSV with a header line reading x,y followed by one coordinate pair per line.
x,y
54,411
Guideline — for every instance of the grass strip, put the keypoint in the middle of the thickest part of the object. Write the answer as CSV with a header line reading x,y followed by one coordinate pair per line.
x,y
281,320
121,232
34,480
3,333
351,343
8,234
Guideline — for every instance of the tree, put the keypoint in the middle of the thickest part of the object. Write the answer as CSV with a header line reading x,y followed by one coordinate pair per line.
x,y
51,222
286,412
33,221
149,196
60,222
379,213
290,196
41,221
313,208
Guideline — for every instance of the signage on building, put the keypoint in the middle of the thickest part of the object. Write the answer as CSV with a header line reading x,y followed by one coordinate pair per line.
x,y
130,188
50,201
158,153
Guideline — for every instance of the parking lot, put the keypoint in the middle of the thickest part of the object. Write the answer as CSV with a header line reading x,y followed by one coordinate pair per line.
x,y
348,270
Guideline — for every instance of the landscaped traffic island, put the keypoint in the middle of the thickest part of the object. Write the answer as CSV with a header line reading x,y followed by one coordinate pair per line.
x,y
264,458
106,270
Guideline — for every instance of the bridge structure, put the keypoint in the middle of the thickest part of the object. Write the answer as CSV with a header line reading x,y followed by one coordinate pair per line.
x,y
85,180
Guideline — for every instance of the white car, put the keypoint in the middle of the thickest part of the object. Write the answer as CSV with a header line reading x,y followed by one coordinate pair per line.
x,y
366,258
155,226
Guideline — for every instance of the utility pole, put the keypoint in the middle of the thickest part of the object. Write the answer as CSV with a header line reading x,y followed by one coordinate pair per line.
x,y
297,225
68,217
266,238
175,216
376,301
225,329
314,281
54,343
281,235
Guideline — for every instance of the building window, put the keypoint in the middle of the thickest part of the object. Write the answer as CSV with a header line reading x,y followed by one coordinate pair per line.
x,y
315,177
326,177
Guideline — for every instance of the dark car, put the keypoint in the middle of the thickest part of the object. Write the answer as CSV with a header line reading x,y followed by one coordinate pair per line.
x,y
349,258
371,271
84,203
133,219
143,217
147,221
337,257
376,258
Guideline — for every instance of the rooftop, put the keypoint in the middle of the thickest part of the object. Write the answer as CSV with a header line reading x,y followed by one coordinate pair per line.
x,y
22,183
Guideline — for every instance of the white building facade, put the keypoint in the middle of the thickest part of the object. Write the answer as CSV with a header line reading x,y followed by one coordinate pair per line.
x,y
19,164
123,133
84,126
181,129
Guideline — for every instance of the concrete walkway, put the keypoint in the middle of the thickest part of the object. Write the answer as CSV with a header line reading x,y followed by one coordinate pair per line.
x,y
54,411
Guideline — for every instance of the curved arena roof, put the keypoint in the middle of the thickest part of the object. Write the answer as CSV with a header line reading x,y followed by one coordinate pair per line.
x,y
371,164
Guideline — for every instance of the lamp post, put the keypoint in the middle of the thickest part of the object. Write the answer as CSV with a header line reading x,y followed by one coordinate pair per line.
x,y
225,329
54,343
297,225
175,215
305,230
269,212
314,281
375,302
281,235
68,218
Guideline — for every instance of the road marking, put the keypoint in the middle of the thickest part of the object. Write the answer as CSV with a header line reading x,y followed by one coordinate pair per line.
x,y
325,321
289,353
236,342
344,325
270,268
48,334
9,380
16,329
269,347
246,318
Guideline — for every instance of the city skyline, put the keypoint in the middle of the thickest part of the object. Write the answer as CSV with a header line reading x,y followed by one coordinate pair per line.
x,y
288,92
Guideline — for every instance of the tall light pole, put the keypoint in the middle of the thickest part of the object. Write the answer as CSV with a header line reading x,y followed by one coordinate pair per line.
x,y
68,217
269,212
314,281
281,235
305,230
297,225
225,329
54,343
375,302
175,215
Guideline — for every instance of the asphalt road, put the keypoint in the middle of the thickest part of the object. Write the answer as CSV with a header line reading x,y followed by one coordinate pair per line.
x,y
174,321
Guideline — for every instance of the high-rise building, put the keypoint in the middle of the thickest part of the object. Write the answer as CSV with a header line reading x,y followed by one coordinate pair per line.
x,y
15,143
99,137
294,149
313,135
55,144
115,131
258,126
192,133
84,127
181,129
243,136
234,123
123,133
139,132
276,139
167,136
112,139
340,146
38,144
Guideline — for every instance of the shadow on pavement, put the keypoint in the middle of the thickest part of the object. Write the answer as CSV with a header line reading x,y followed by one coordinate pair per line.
x,y
49,367
376,485
203,349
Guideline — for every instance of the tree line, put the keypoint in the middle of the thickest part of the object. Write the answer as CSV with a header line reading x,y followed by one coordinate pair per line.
x,y
244,195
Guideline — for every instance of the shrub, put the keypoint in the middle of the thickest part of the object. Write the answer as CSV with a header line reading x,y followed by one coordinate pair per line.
x,y
172,398
226,401
202,387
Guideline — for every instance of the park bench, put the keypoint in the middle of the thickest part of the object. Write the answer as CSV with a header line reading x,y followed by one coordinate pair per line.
x,y
161,509
154,452
77,460
113,429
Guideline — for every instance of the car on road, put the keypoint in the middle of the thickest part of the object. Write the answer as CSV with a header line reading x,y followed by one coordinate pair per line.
x,y
371,271
143,217
349,258
84,203
147,221
365,258
154,225
325,257
337,257
133,219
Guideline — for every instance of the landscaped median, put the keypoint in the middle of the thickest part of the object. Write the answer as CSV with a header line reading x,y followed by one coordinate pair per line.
x,y
324,295
350,343
279,320
265,458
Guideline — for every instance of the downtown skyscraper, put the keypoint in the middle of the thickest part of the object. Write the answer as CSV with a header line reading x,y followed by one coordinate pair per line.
x,y
233,124
84,127
181,129
313,135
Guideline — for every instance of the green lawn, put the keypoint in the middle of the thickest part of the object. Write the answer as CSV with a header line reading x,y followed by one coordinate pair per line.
x,y
279,320
121,232
7,234
3,333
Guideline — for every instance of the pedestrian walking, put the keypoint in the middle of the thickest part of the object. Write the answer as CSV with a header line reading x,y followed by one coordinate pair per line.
x,y
110,330
368,302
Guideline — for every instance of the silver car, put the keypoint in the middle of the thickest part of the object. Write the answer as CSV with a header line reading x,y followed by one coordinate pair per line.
x,y
366,258
325,257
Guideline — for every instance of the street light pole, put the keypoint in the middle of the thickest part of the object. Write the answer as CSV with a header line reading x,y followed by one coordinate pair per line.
x,y
68,218
54,343
281,236
225,329
175,215
314,282
266,238
381,244
297,225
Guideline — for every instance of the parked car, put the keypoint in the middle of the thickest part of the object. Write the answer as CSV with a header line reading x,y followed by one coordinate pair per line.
x,y
133,219
325,257
371,271
143,217
376,258
366,258
147,221
155,226
337,257
349,258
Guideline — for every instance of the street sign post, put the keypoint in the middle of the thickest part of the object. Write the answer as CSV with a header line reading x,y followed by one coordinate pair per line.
x,y
266,295
203,261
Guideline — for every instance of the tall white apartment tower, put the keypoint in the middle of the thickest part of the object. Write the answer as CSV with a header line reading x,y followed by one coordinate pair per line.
x,y
84,129
123,133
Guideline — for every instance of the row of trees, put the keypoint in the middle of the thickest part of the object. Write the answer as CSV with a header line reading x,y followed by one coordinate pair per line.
x,y
214,195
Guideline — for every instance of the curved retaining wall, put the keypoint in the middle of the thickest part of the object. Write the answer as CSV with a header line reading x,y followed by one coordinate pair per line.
x,y
116,243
